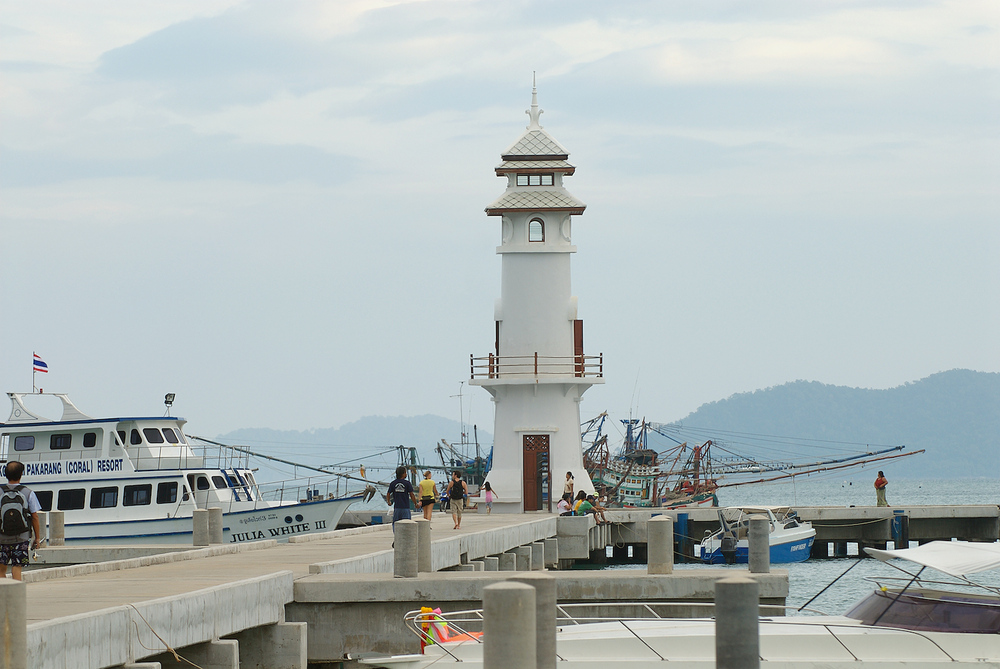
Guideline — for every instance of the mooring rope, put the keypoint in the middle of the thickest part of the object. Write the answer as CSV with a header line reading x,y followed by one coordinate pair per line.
x,y
177,657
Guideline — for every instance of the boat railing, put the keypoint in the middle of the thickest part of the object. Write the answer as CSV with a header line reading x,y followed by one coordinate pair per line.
x,y
463,627
494,366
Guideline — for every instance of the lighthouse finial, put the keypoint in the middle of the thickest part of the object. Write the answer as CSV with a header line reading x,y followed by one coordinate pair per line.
x,y
534,113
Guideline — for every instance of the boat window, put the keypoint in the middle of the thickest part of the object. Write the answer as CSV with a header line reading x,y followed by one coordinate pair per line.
x,y
104,498
936,612
171,436
135,437
44,499
73,498
24,443
137,495
249,477
536,230
90,439
166,493
60,442
121,437
203,483
152,435
219,482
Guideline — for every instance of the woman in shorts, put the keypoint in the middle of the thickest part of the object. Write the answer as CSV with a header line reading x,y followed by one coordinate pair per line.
x,y
428,493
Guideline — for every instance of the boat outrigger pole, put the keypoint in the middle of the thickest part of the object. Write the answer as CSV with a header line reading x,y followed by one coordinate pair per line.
x,y
247,451
822,469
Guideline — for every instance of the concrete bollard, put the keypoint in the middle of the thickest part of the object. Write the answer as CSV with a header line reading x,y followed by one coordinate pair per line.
x,y
523,554
660,539
491,563
509,626
199,531
14,622
404,559
759,541
545,617
214,525
551,552
478,565
424,545
57,528
538,556
507,562
737,634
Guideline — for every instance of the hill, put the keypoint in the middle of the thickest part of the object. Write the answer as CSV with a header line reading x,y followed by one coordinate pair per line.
x,y
358,442
954,415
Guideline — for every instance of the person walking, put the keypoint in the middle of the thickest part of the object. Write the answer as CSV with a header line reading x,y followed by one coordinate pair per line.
x,y
400,495
488,494
880,483
457,490
428,493
19,509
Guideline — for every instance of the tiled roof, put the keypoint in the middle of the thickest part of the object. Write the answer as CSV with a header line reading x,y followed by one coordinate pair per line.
x,y
535,198
513,165
535,143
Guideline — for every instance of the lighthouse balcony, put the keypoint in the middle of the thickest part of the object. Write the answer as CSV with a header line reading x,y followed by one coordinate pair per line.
x,y
530,368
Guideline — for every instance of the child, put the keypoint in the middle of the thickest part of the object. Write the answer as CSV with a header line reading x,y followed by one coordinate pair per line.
x,y
489,495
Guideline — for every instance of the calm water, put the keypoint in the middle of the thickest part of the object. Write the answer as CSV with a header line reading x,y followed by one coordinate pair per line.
x,y
805,579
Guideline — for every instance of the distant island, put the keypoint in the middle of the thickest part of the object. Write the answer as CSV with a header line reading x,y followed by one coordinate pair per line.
x,y
954,415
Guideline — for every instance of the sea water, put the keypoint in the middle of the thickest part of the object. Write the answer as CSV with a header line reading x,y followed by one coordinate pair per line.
x,y
806,579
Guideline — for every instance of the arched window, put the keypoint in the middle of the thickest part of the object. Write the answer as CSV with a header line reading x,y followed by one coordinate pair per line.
x,y
536,230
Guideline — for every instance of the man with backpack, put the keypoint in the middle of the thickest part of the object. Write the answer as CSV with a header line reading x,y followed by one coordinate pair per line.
x,y
19,509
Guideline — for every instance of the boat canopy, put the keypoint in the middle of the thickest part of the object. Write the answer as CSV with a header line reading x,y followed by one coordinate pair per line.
x,y
955,558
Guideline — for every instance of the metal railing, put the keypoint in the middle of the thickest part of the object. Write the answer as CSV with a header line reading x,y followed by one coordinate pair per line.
x,y
504,366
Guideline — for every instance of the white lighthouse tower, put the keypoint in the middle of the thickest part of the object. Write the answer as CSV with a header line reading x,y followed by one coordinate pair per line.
x,y
538,371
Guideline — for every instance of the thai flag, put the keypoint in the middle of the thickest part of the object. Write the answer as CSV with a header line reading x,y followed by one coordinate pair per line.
x,y
40,365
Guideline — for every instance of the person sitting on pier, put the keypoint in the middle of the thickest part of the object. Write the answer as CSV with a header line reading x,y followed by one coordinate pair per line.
x,y
565,505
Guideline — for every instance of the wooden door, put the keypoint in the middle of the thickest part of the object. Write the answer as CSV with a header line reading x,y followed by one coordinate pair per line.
x,y
535,472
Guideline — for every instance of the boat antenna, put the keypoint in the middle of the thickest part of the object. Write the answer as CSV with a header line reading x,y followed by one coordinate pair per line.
x,y
461,415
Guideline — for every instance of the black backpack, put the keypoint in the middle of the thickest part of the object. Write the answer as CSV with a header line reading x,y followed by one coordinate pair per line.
x,y
13,511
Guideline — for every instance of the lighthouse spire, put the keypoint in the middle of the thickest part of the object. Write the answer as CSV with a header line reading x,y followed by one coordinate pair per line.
x,y
534,113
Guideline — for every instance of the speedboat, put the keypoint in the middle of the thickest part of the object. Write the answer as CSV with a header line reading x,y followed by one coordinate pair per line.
x,y
138,480
916,626
790,538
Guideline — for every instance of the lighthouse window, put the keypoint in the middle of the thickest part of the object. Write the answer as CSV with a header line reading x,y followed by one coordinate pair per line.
x,y
137,495
104,498
90,439
153,435
59,442
166,493
71,499
534,179
536,230
24,443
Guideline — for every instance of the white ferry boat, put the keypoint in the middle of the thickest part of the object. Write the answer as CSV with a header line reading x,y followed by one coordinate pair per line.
x,y
136,480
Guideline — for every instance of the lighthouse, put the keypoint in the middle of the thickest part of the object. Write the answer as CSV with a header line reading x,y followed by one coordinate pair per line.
x,y
538,370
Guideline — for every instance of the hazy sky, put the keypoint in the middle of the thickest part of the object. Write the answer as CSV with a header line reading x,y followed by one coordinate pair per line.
x,y
275,210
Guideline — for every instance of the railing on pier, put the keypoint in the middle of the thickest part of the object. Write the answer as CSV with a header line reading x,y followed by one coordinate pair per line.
x,y
507,366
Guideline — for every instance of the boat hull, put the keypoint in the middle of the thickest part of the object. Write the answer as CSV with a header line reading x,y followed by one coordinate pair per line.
x,y
277,522
797,550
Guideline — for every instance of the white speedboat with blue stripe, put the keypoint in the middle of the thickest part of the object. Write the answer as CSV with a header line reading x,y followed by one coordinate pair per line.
x,y
790,538
130,480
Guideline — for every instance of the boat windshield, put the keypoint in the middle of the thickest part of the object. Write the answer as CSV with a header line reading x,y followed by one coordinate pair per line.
x,y
929,611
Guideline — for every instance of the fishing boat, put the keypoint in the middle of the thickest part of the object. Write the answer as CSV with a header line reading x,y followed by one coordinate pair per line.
x,y
790,538
130,480
920,625
636,477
